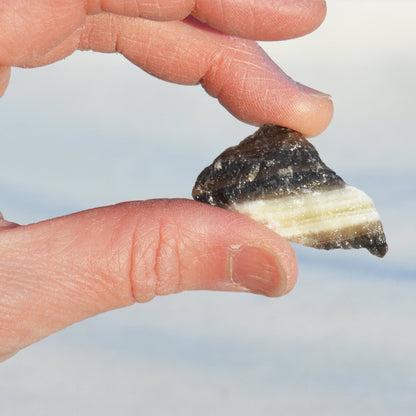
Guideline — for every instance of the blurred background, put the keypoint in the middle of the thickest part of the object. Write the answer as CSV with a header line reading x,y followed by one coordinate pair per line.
x,y
92,130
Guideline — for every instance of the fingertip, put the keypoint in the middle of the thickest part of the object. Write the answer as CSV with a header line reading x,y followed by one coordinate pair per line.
x,y
311,114
270,20
314,15
306,114
292,270
264,263
236,253
267,265
256,91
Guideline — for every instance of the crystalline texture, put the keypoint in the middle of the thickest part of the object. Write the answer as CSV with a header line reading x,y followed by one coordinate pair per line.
x,y
276,177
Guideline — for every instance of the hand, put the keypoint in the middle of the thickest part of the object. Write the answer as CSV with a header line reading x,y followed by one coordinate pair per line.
x,y
64,270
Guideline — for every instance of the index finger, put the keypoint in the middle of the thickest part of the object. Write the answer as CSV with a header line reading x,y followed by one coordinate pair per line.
x,y
235,71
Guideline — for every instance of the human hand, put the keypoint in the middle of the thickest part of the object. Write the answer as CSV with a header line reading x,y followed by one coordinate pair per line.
x,y
64,270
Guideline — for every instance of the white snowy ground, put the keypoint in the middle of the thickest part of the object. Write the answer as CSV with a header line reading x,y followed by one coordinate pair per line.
x,y
80,134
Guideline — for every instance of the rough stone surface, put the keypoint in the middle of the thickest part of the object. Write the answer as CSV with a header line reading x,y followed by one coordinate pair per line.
x,y
277,177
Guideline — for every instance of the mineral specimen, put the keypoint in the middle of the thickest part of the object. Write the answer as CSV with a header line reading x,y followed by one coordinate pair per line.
x,y
276,177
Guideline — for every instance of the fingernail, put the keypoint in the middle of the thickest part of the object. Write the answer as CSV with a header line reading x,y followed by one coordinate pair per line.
x,y
258,270
311,91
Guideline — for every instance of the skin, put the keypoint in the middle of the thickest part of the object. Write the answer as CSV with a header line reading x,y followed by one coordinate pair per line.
x,y
64,270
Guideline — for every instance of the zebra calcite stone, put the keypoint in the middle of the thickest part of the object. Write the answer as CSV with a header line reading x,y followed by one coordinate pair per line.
x,y
276,177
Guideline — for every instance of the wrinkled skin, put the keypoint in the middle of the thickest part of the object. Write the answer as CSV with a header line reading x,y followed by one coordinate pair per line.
x,y
64,270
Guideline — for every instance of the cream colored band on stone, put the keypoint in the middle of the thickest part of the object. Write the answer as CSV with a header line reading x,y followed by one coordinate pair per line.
x,y
313,213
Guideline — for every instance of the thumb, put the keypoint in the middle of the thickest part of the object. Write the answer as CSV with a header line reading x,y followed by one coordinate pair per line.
x,y
64,270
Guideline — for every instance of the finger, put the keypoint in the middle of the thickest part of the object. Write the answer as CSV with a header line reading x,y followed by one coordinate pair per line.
x,y
262,20
30,29
148,9
4,80
61,271
235,71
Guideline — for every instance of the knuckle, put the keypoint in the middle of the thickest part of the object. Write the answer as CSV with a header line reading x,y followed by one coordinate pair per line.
x,y
166,260
155,260
100,33
231,55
